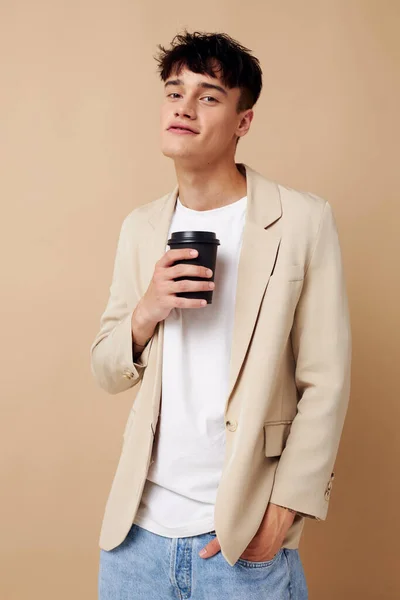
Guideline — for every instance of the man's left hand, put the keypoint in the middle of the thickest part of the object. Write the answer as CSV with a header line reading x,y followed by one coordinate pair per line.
x,y
268,540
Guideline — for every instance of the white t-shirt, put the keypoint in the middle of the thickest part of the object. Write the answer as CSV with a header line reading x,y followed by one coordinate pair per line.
x,y
179,494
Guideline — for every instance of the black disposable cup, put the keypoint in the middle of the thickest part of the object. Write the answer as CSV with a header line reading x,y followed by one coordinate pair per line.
x,y
206,243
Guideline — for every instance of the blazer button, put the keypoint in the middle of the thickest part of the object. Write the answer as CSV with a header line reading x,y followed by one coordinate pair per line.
x,y
328,488
231,425
127,374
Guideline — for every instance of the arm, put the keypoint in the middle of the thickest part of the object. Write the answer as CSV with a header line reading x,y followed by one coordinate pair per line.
x,y
321,341
115,360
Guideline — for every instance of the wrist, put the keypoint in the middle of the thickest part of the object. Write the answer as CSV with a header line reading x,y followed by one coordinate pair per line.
x,y
142,328
141,317
291,510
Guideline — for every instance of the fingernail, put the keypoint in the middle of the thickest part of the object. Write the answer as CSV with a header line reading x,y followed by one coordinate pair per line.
x,y
203,552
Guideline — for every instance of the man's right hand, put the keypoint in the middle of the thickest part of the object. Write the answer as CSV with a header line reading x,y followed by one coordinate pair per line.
x,y
160,298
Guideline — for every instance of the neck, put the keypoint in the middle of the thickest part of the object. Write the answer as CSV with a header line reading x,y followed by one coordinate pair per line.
x,y
210,186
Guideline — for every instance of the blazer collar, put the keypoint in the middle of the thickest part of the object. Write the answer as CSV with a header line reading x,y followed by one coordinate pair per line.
x,y
260,243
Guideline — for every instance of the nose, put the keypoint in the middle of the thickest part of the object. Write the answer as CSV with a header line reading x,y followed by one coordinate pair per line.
x,y
185,109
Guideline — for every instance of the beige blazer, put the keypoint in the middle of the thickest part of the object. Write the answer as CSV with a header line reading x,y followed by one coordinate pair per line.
x,y
289,371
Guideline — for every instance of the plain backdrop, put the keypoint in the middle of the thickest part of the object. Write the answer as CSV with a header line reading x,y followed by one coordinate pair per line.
x,y
79,142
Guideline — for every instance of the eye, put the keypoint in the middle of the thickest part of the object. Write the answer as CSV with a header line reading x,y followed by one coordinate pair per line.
x,y
173,94
213,99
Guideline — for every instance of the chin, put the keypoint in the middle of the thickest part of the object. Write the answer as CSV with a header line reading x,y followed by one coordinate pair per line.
x,y
178,153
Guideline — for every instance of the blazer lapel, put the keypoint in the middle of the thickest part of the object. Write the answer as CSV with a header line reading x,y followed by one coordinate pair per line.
x,y
261,238
155,237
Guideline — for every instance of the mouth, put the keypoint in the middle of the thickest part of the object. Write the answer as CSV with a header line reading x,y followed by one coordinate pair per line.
x,y
181,131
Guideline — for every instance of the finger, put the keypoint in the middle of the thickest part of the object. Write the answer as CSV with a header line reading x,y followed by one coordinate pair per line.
x,y
189,303
186,270
188,285
212,548
176,254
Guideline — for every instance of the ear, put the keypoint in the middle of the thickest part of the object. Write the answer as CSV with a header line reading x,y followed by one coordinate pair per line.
x,y
244,123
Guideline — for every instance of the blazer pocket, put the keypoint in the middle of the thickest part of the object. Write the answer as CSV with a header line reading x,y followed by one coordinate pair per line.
x,y
295,273
289,273
275,436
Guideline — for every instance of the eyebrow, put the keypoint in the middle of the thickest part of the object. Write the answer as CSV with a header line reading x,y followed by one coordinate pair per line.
x,y
201,84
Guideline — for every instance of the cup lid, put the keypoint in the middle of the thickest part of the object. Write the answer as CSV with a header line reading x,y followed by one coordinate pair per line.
x,y
200,237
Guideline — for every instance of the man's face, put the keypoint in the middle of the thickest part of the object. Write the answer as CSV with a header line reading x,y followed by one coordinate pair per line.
x,y
207,107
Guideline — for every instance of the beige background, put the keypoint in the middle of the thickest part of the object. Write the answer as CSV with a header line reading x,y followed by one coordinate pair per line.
x,y
79,150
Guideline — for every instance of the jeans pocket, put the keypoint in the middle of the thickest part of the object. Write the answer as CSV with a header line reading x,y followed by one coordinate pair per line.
x,y
259,564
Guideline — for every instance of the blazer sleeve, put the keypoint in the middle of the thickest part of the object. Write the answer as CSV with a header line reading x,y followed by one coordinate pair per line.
x,y
321,342
111,353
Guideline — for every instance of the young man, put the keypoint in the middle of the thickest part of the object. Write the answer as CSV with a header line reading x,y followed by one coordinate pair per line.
x,y
232,437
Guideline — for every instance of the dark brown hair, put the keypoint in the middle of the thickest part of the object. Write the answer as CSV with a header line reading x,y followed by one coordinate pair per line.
x,y
208,53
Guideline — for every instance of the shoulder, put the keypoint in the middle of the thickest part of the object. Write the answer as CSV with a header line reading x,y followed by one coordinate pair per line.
x,y
139,215
306,216
305,213
303,205
301,208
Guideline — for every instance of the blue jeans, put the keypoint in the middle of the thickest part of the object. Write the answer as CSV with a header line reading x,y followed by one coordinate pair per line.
x,y
147,566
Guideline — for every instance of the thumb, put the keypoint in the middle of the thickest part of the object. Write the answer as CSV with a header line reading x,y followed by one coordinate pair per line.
x,y
212,548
